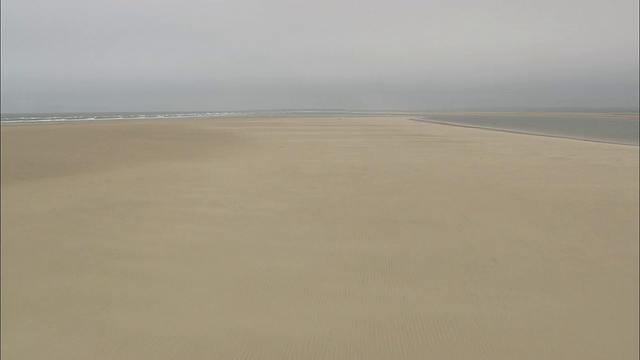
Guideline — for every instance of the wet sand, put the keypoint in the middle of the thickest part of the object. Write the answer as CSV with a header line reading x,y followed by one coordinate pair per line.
x,y
315,238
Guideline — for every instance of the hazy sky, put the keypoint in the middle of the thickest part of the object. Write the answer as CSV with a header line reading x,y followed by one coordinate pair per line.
x,y
142,55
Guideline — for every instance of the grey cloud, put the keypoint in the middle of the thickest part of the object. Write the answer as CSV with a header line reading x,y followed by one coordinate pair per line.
x,y
73,55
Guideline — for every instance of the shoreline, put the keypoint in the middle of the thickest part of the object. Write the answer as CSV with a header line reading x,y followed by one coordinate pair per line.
x,y
518,132
238,114
410,116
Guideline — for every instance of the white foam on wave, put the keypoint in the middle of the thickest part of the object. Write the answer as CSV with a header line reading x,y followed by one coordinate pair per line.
x,y
34,118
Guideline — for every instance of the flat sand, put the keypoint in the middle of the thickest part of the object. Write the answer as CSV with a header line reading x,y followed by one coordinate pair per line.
x,y
315,238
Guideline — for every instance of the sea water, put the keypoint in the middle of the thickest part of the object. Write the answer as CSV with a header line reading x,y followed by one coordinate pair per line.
x,y
17,118
612,129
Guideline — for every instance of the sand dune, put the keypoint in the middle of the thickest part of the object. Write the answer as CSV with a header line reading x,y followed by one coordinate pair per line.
x,y
315,238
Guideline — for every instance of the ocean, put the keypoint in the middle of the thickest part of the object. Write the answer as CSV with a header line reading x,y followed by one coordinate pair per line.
x,y
12,118
17,118
621,129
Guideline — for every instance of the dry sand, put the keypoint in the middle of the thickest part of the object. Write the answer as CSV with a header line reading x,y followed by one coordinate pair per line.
x,y
326,238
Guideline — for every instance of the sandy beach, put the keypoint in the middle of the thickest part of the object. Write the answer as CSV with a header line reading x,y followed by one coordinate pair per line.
x,y
315,238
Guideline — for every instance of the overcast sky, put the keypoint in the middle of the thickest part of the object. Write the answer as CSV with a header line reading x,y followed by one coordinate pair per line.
x,y
144,55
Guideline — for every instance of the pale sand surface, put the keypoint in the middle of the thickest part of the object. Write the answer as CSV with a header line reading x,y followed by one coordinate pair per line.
x,y
325,238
